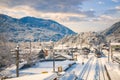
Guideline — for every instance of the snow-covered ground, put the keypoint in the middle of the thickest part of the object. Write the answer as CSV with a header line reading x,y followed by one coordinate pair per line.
x,y
46,76
46,66
38,68
92,69
74,72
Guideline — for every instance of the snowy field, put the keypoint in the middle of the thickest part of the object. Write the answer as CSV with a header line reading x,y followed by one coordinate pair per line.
x,y
92,69
38,68
47,76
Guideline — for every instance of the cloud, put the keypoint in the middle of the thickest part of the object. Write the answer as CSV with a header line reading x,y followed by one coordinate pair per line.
x,y
100,2
113,10
115,1
50,6
117,8
103,18
76,19
21,11
46,5
18,11
91,9
106,17
90,13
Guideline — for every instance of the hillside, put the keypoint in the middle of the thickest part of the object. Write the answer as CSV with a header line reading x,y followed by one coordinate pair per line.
x,y
32,29
113,33
84,39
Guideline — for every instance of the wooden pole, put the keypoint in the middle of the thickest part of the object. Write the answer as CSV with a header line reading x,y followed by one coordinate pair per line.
x,y
17,61
53,57
53,62
30,47
109,53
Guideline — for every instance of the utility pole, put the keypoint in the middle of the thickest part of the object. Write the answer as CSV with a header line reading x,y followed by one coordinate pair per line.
x,y
17,61
53,57
81,39
109,51
53,62
30,47
29,54
62,46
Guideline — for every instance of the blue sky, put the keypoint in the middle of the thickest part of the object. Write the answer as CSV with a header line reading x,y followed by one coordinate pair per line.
x,y
78,15
100,6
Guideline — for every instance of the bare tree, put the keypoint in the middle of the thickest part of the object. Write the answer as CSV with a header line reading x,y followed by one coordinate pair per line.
x,y
5,56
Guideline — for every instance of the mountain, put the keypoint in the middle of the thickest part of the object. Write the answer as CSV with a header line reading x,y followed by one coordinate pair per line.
x,y
86,39
32,29
113,33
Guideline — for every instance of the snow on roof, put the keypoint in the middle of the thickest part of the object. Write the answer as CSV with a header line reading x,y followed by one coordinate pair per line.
x,y
67,56
115,43
45,76
61,47
76,53
64,55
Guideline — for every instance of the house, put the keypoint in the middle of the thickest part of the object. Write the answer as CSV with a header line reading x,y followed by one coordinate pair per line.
x,y
41,54
62,57
85,52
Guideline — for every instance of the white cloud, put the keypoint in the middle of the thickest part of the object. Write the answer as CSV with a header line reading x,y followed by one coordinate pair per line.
x,y
115,0
100,2
106,17
117,7
21,11
46,5
103,18
91,9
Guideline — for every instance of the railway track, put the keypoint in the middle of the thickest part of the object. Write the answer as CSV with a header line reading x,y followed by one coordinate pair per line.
x,y
86,70
100,71
103,74
97,71
94,70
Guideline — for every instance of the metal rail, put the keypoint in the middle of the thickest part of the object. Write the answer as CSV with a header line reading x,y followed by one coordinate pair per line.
x,y
109,78
85,68
89,70
97,73
102,68
103,75
101,72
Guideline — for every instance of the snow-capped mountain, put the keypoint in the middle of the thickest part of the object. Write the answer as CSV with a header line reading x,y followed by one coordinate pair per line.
x,y
113,33
32,29
83,39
